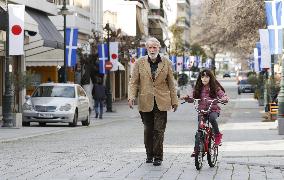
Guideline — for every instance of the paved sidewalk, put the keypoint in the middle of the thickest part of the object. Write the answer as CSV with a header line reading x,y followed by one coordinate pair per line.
x,y
252,149
11,134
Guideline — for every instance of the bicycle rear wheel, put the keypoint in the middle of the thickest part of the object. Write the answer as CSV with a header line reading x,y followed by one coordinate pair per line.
x,y
212,152
199,150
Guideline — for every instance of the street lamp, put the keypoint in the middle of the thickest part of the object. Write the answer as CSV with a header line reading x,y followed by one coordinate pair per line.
x,y
7,100
281,101
108,86
64,12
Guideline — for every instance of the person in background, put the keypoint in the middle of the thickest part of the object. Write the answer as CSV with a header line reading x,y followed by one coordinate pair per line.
x,y
99,96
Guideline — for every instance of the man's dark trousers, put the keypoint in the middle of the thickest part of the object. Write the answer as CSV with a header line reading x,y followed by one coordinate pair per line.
x,y
154,129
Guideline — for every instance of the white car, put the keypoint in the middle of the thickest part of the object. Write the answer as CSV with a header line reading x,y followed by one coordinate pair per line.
x,y
57,102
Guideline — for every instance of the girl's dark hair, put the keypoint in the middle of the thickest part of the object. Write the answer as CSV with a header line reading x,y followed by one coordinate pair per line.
x,y
214,85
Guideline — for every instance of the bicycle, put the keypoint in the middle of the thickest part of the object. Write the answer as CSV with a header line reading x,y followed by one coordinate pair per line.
x,y
205,137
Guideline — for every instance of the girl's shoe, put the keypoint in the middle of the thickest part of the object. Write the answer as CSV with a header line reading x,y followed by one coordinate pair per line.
x,y
218,139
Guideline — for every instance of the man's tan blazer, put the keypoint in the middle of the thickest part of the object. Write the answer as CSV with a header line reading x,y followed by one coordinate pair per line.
x,y
162,88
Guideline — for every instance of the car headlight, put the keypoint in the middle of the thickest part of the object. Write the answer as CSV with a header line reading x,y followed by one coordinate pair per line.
x,y
27,106
66,107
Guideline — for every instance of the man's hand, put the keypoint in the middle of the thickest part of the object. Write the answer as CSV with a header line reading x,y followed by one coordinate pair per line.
x,y
130,103
174,107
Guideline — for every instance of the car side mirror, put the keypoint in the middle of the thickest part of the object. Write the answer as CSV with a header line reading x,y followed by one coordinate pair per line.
x,y
27,97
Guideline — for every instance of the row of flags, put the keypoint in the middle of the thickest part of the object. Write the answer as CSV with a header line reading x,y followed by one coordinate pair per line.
x,y
271,39
180,63
16,34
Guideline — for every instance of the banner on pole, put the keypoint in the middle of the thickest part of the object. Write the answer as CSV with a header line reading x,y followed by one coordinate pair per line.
x,y
174,62
274,19
141,52
265,52
103,57
113,53
16,29
71,46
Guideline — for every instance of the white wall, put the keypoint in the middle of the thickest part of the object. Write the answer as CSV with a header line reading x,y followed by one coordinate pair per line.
x,y
126,15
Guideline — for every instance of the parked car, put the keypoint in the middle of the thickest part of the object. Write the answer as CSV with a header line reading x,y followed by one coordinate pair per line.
x,y
245,87
226,75
57,102
232,74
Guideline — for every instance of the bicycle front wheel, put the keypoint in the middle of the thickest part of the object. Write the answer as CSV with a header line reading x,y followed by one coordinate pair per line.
x,y
212,152
199,150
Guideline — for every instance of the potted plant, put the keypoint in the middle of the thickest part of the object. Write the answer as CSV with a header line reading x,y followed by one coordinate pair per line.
x,y
257,81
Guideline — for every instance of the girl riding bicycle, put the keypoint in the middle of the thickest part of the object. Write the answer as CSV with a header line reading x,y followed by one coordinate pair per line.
x,y
208,88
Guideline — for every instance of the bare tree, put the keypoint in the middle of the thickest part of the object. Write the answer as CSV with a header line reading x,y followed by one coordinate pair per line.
x,y
226,25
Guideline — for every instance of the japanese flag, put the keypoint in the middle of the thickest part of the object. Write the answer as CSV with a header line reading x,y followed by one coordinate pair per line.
x,y
113,52
16,29
179,63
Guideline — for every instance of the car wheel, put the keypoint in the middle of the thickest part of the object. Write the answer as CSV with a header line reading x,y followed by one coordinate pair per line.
x,y
87,121
75,120
26,123
42,123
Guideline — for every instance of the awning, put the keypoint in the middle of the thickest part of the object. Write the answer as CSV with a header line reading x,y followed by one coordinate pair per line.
x,y
50,35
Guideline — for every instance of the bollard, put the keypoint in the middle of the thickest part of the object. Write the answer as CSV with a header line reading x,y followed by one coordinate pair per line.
x,y
280,125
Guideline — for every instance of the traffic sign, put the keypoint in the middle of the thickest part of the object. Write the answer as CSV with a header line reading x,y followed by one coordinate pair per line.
x,y
108,65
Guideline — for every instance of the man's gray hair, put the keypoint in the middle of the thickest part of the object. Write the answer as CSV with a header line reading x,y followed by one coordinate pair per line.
x,y
153,40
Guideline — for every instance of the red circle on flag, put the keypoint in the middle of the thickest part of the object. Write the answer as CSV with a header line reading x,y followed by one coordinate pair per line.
x,y
16,29
114,56
108,65
133,60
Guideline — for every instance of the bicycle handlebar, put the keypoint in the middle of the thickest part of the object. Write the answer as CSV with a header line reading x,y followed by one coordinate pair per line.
x,y
196,103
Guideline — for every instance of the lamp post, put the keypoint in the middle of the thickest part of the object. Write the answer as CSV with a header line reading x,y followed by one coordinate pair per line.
x,y
281,102
64,12
7,100
108,86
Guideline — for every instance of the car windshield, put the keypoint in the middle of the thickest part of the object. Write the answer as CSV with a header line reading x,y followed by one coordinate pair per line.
x,y
55,91
243,82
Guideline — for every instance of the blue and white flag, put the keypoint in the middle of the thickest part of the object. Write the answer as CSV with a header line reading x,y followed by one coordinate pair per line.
x,y
141,52
174,62
208,63
186,62
71,46
257,58
103,57
274,19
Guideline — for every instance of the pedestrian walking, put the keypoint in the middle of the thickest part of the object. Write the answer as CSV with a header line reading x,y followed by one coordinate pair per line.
x,y
99,95
208,88
152,79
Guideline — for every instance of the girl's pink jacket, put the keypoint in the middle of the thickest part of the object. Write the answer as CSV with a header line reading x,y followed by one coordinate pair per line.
x,y
204,103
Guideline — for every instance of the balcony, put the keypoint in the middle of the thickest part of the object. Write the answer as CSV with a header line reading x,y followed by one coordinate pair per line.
x,y
183,23
157,14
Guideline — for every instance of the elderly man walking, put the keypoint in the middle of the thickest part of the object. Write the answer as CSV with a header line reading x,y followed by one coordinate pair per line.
x,y
152,79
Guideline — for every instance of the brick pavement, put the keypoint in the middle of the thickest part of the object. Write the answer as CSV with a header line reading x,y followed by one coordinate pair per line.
x,y
113,148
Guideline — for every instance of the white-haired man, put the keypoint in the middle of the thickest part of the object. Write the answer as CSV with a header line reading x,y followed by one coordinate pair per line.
x,y
152,79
